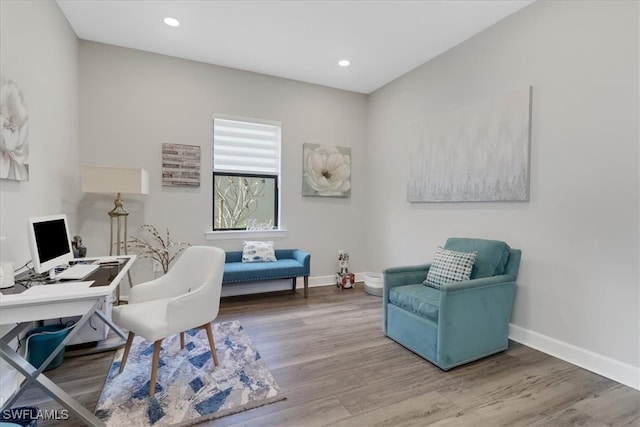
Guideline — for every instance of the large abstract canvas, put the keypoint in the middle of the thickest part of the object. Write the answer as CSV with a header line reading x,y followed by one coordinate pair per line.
x,y
478,153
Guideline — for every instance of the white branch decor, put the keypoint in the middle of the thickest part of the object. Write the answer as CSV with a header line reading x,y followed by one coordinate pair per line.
x,y
253,225
238,199
157,248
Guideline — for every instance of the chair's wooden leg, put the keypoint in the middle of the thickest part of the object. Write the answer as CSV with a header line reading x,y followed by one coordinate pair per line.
x,y
182,340
306,286
214,353
127,347
293,286
154,367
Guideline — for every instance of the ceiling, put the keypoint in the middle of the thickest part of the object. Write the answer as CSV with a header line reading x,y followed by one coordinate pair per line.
x,y
299,40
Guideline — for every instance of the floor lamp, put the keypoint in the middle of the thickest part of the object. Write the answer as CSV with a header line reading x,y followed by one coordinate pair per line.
x,y
99,179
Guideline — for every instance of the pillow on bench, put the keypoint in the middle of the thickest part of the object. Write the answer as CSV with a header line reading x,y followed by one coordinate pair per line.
x,y
258,251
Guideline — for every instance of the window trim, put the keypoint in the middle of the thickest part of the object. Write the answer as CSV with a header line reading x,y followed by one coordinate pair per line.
x,y
244,234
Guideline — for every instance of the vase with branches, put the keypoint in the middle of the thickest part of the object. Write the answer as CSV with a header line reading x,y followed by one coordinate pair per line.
x,y
160,249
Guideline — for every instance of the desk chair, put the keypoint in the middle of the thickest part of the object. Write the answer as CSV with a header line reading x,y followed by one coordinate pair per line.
x,y
187,297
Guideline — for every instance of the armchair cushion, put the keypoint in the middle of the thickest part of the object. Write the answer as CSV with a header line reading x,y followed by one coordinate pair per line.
x,y
449,266
492,257
418,299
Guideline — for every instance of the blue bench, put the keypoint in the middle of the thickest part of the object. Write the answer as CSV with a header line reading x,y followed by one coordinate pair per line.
x,y
290,264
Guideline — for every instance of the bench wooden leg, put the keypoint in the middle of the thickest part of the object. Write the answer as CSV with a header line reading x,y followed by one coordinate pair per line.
x,y
306,286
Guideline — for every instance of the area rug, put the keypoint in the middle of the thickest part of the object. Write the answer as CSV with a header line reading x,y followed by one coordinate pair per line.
x,y
189,388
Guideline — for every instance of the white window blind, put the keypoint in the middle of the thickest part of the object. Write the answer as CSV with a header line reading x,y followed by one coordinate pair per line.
x,y
245,147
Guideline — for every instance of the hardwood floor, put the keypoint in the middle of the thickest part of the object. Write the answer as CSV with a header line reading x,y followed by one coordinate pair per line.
x,y
332,361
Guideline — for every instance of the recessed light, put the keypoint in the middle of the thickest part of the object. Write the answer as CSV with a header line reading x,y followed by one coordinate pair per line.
x,y
172,22
344,63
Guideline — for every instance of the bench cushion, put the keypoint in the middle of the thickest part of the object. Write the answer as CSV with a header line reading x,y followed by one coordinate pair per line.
x,y
246,272
290,263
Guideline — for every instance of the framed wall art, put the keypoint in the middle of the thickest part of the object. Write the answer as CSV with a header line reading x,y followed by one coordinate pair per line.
x,y
478,153
326,170
14,132
180,165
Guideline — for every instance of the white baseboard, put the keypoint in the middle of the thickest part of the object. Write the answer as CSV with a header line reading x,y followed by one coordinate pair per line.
x,y
330,280
602,365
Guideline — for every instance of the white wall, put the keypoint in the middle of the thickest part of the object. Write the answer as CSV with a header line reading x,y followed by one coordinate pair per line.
x,y
133,101
40,52
578,288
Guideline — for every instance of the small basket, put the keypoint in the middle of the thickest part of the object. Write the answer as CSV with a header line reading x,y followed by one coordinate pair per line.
x,y
373,283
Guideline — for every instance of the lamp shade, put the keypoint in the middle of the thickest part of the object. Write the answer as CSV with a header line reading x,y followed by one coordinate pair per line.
x,y
99,179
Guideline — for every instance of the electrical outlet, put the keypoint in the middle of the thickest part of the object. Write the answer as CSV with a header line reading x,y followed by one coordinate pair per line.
x,y
157,267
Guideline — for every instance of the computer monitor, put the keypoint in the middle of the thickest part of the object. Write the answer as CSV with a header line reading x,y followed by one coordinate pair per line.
x,y
49,242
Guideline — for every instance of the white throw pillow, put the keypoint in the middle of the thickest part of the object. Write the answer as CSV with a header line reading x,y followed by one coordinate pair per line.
x,y
449,266
258,252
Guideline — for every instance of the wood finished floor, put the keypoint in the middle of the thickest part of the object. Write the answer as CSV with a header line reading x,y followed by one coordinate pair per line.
x,y
332,361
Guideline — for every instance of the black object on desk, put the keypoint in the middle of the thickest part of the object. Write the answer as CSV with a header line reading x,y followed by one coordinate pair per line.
x,y
103,276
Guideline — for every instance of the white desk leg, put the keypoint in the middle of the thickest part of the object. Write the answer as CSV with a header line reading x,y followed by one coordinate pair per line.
x,y
111,325
48,386
58,349
34,375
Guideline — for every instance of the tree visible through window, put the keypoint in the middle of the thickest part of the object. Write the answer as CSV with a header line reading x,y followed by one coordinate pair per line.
x,y
246,173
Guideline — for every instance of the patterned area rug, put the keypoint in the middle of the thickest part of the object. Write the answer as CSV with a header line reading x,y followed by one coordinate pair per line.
x,y
189,388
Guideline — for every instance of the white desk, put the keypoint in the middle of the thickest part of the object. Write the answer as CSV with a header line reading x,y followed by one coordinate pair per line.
x,y
52,301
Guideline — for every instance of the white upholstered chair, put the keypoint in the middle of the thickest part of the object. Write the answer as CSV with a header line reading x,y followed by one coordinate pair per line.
x,y
187,297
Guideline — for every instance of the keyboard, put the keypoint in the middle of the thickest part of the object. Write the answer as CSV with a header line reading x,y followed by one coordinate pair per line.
x,y
77,272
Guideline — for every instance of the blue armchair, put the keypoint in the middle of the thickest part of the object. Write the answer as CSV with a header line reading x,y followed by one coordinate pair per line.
x,y
462,321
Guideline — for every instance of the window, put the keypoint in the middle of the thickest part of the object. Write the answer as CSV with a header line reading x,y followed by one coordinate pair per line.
x,y
246,174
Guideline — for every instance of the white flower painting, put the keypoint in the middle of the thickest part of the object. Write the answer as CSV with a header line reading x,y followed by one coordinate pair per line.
x,y
14,129
326,170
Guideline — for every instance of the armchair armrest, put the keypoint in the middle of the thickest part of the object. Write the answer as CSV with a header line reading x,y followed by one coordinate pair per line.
x,y
503,279
191,308
407,275
400,276
473,315
162,287
304,258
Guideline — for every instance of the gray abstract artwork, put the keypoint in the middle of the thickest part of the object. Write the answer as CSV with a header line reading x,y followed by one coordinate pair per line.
x,y
478,153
